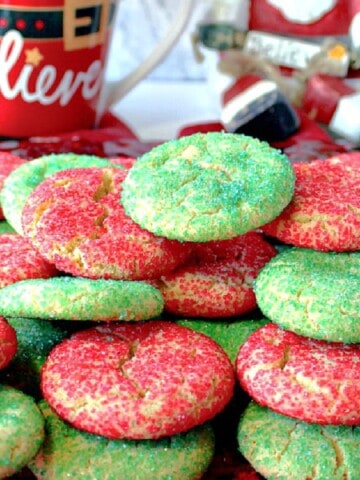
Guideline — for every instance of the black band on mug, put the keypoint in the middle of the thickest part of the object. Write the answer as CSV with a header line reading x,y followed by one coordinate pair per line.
x,y
48,24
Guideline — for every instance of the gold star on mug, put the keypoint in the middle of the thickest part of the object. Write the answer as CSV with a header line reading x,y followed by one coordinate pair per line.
x,y
33,56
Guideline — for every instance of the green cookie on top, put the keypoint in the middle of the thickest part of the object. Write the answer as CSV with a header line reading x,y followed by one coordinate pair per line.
x,y
211,186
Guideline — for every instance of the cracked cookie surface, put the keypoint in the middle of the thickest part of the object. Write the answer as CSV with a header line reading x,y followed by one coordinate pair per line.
x,y
218,279
312,293
205,187
74,218
76,298
137,381
281,448
21,182
312,380
324,213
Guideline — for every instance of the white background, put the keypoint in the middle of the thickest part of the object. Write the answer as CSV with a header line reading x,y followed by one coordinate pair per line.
x,y
178,92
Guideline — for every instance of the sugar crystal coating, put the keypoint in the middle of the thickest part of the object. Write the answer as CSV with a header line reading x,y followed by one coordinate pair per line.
x,y
312,380
71,453
218,279
21,430
8,343
312,293
75,220
76,298
315,468
20,182
137,380
35,339
281,448
324,212
205,187
19,260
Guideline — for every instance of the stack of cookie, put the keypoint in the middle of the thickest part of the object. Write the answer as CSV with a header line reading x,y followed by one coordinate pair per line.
x,y
302,369
101,254
128,397
133,282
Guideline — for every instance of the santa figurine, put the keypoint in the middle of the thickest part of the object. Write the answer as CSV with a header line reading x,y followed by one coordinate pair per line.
x,y
307,18
309,49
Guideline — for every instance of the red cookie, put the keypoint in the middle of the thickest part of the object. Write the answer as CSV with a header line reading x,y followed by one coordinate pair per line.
x,y
8,163
218,280
324,212
19,260
311,380
142,381
8,343
75,219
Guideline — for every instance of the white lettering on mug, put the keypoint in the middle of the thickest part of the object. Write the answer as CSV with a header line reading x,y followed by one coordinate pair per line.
x,y
11,48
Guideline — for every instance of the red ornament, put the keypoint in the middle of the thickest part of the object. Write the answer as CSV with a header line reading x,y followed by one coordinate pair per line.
x,y
39,24
20,24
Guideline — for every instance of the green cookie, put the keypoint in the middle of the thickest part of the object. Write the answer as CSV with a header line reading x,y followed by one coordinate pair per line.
x,y
5,227
210,186
229,335
35,339
314,294
282,448
71,453
76,298
21,430
21,182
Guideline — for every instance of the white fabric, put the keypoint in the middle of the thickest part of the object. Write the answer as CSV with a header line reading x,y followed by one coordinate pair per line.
x,y
303,11
346,119
139,26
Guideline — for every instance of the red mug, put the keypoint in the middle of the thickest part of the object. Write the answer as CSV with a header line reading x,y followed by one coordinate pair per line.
x,y
53,55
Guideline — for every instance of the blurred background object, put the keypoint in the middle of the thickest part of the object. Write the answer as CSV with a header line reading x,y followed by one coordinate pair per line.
x,y
287,42
175,93
139,26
